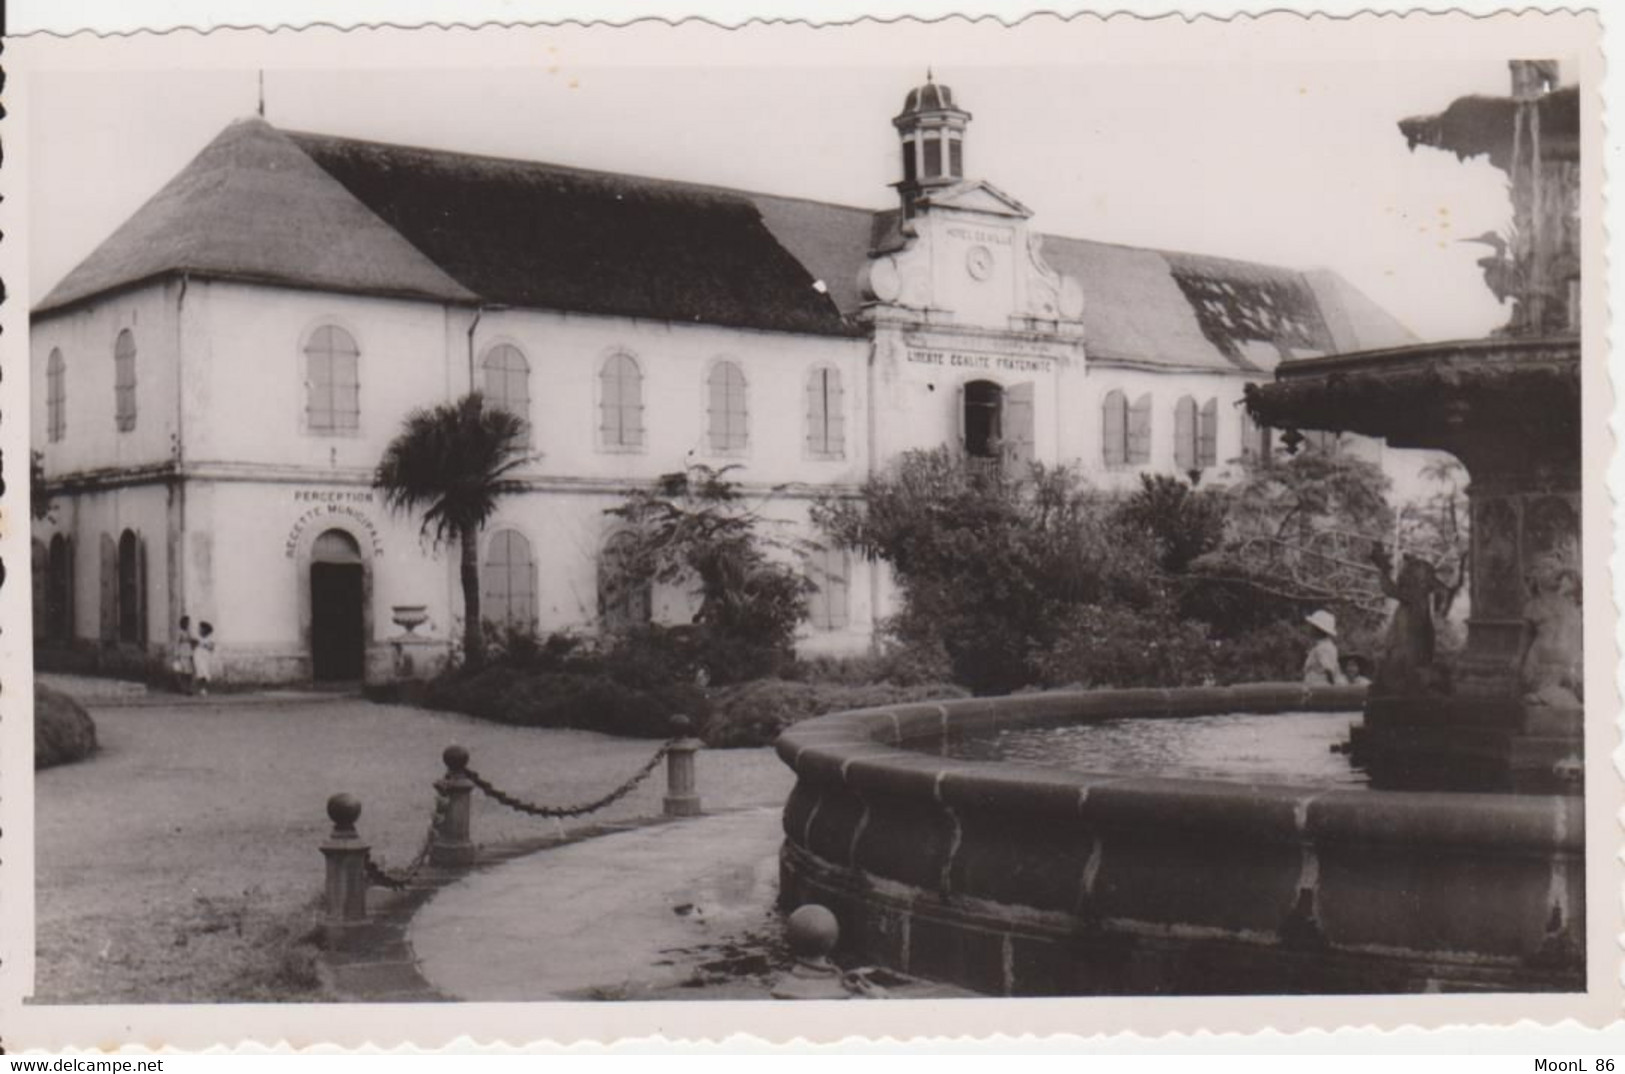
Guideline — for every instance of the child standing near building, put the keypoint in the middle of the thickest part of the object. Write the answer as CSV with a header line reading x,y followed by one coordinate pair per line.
x,y
181,662
203,657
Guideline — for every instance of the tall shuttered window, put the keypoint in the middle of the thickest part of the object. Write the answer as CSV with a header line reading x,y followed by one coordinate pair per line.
x,y
56,396
728,419
620,402
1185,434
508,582
1255,440
507,381
1207,435
124,381
826,414
625,600
131,589
828,606
332,382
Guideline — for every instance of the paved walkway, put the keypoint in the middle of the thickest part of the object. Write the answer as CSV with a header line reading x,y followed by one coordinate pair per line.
x,y
95,691
628,915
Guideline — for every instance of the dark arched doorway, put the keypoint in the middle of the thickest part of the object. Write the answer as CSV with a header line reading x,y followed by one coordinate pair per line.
x,y
337,623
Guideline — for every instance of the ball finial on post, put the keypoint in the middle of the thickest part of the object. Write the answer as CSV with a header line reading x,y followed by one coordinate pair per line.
x,y
682,797
346,884
344,810
453,844
812,932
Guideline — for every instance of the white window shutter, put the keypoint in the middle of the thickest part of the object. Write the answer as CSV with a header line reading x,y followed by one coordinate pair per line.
x,y
959,414
1018,423
835,403
1185,434
1139,431
1207,449
1113,414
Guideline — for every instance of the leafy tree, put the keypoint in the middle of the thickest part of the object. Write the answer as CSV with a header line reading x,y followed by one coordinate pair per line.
x,y
1314,489
1300,531
991,563
1183,521
452,462
695,528
1436,526
39,500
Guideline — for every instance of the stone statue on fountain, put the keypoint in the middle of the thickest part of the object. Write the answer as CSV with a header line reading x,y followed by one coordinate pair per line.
x,y
1408,664
1553,651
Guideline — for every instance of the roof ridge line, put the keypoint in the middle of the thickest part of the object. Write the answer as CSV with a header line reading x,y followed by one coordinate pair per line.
x,y
687,184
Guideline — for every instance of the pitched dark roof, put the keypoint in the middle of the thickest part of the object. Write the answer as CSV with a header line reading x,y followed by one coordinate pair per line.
x,y
519,233
312,210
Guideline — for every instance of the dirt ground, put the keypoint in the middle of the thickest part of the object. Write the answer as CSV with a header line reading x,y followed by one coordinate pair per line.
x,y
180,864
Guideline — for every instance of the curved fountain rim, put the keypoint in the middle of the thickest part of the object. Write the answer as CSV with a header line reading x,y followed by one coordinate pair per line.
x,y
862,749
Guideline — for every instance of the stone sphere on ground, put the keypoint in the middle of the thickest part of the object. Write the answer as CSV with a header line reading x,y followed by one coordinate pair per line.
x,y
63,730
812,931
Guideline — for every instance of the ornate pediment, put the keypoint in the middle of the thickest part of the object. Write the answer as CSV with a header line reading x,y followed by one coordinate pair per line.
x,y
975,196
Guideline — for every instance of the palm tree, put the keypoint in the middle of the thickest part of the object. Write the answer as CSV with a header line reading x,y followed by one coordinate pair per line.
x,y
453,461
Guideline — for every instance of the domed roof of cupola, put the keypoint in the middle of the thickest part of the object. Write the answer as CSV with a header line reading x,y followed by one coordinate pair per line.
x,y
930,97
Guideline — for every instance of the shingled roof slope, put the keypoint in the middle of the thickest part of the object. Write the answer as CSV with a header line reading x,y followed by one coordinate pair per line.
x,y
1193,311
532,235
253,206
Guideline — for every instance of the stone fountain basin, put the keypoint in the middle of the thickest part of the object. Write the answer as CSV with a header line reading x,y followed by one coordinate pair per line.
x,y
1014,879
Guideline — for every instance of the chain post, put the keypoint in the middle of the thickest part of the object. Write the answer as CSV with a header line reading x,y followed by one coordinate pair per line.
x,y
452,844
682,797
346,856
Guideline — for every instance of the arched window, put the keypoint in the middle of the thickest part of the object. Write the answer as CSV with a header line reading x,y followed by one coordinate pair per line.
x,y
124,381
826,414
40,574
508,596
981,410
828,606
56,396
332,382
132,589
624,601
59,588
620,402
726,411
507,381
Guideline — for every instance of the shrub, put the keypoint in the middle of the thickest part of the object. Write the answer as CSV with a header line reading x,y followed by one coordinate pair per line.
x,y
754,713
990,562
1271,653
694,528
63,730
918,664
588,701
1113,645
1184,523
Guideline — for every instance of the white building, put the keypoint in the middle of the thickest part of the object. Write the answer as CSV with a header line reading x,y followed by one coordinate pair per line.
x,y
214,385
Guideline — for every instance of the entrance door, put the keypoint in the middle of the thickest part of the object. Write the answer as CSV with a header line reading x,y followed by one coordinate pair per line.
x,y
337,629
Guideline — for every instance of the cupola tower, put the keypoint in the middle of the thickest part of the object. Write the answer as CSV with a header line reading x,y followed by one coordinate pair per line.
x,y
932,129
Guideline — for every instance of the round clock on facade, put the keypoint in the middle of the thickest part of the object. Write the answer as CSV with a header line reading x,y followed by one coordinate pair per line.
x,y
979,262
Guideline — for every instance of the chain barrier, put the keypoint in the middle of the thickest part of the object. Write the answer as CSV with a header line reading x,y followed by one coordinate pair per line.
x,y
403,879
561,812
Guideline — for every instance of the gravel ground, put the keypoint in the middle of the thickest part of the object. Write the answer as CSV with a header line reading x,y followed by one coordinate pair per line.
x,y
181,864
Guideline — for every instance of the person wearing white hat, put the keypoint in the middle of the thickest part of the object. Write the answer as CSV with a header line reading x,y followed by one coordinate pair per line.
x,y
1321,667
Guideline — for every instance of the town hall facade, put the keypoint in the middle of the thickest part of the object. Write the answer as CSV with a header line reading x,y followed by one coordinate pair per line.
x,y
215,384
